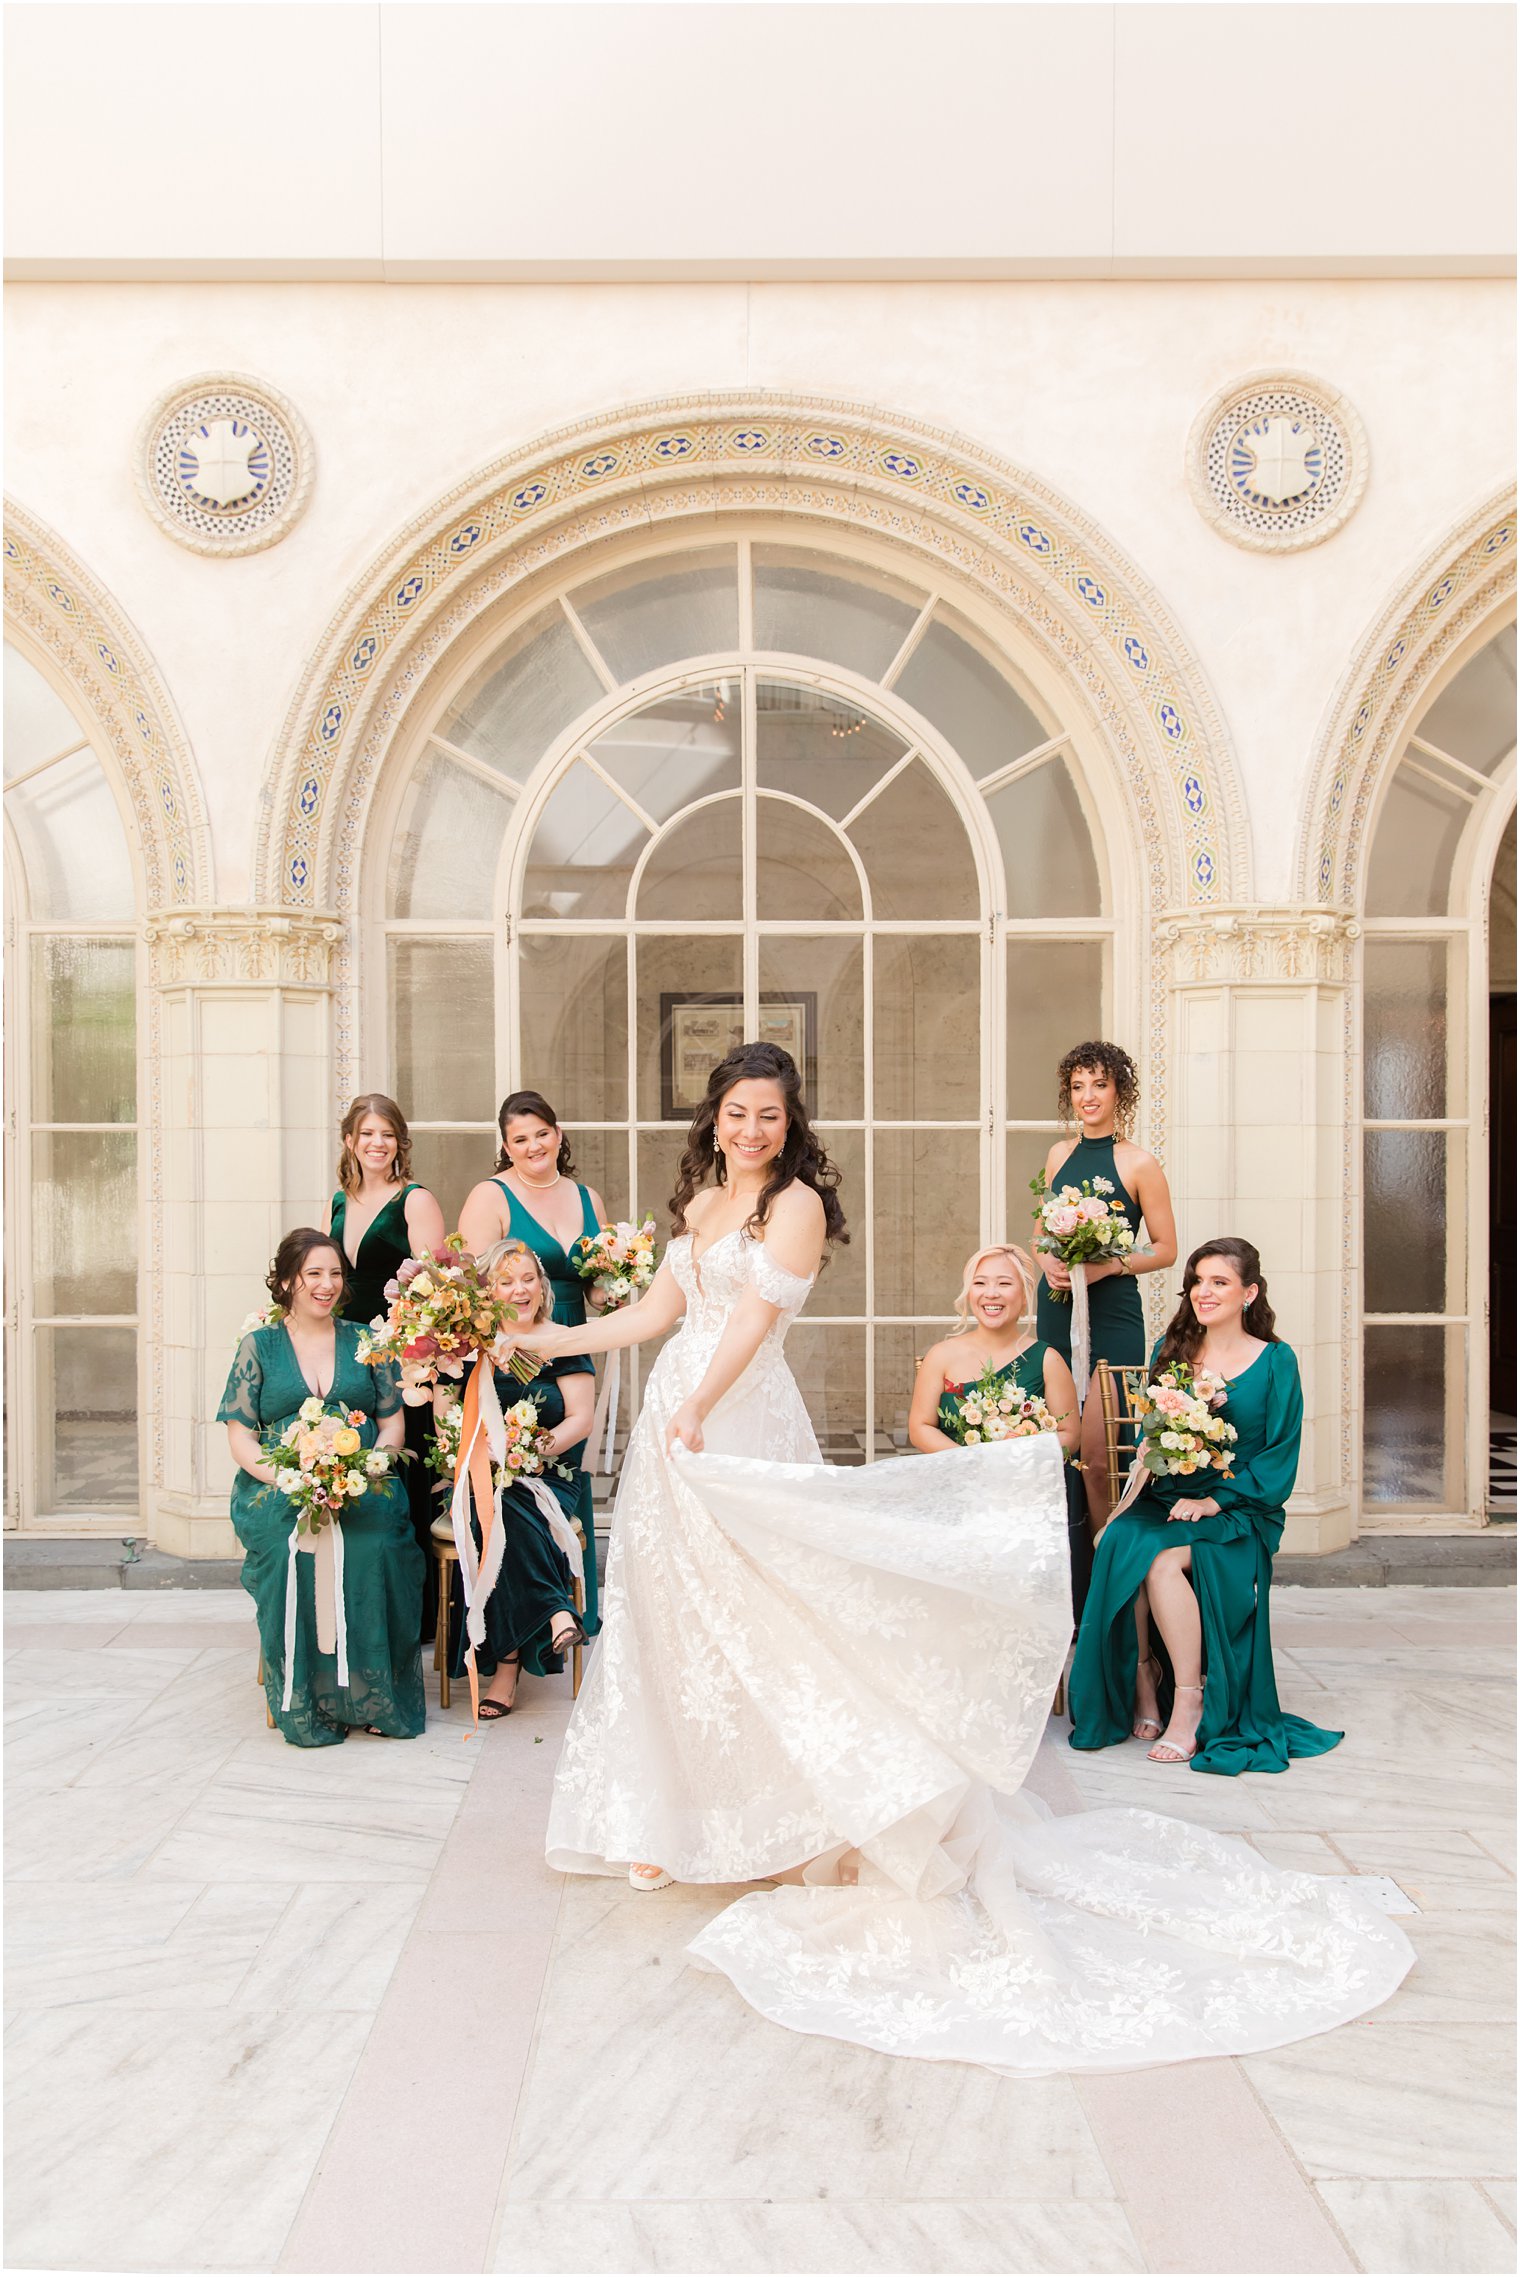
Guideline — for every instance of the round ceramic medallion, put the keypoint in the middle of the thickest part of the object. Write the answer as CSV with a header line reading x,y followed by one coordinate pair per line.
x,y
224,464
1276,461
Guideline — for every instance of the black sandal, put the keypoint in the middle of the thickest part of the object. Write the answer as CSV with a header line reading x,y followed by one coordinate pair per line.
x,y
496,1711
568,1639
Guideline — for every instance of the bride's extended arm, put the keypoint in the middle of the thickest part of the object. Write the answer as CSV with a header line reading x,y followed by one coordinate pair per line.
x,y
794,1238
660,1307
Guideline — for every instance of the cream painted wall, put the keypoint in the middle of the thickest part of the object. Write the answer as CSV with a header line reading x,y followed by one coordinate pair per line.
x,y
749,140
1091,387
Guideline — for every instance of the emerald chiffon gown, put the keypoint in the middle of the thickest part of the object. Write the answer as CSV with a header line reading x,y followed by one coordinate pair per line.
x,y
569,1292
382,1565
1027,1372
383,1246
1116,1319
1244,1727
534,1583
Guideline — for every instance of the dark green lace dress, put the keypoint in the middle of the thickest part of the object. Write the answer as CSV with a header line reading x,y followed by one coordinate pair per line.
x,y
534,1583
382,1565
1116,1318
383,1246
1027,1372
1244,1727
570,1311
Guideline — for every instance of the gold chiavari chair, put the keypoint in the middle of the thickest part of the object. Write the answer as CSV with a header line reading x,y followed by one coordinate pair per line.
x,y
448,1557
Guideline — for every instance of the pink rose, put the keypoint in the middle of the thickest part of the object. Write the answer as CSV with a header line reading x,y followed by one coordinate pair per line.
x,y
1063,1223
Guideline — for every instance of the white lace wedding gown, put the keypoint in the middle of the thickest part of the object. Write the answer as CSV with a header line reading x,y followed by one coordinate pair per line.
x,y
800,1662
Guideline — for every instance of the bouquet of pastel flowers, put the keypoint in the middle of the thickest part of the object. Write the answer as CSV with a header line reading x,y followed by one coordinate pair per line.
x,y
993,1408
1079,1225
618,1260
1181,1430
442,1312
530,1446
321,1462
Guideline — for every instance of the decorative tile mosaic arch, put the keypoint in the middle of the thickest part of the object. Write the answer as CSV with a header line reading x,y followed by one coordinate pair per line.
x,y
65,613
1464,581
982,523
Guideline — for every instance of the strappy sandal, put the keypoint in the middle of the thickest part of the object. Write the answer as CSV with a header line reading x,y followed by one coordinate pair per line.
x,y
1148,1727
650,1878
497,1711
568,1639
1172,1752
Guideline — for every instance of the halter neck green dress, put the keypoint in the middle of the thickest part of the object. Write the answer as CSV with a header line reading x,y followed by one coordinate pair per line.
x,y
383,1246
1115,1315
570,1311
1027,1371
1244,1727
382,1565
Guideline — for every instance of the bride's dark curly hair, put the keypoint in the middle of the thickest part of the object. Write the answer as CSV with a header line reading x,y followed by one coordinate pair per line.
x,y
802,1157
1184,1331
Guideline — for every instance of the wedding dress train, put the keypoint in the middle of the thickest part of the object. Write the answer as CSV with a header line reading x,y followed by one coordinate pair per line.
x,y
803,1663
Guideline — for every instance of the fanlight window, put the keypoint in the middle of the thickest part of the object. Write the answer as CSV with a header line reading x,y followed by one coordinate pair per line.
x,y
71,1026
756,788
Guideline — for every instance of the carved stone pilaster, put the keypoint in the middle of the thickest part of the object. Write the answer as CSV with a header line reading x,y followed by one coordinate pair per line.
x,y
255,948
1268,945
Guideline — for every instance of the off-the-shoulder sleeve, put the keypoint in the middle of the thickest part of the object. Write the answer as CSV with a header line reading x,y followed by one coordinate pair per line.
x,y
1262,1486
772,1281
245,1380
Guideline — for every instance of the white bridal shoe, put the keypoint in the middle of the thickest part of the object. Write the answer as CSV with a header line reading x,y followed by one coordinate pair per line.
x,y
650,1878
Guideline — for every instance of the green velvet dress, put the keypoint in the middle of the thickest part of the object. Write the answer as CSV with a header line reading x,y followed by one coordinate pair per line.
x,y
383,1246
1027,1371
534,1583
1116,1318
382,1565
570,1311
1244,1726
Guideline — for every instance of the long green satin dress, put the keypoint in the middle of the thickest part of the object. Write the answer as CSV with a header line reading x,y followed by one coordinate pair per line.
x,y
1027,1371
1244,1727
382,1565
534,1583
383,1246
1116,1318
570,1311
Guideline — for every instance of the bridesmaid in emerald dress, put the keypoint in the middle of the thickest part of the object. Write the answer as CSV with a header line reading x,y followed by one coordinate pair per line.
x,y
1096,1085
996,1299
530,1614
310,1354
535,1198
1195,1569
380,1216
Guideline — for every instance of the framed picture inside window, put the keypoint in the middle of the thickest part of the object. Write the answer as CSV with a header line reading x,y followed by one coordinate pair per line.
x,y
696,1031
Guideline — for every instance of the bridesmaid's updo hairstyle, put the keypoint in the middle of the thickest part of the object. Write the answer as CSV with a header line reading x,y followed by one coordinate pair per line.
x,y
290,1261
350,1176
1184,1331
535,1104
801,1158
1113,1061
492,1260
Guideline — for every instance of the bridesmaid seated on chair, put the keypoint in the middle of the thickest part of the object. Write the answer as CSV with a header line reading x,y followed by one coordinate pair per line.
x,y
1188,1574
307,1354
991,1330
530,1614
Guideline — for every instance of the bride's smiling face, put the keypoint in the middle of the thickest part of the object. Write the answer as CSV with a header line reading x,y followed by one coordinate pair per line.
x,y
751,1124
996,1294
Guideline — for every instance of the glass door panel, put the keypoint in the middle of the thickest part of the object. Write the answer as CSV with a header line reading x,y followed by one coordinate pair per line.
x,y
690,995
820,976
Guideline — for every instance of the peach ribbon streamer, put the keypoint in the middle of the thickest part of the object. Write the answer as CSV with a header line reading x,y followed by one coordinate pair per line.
x,y
482,1443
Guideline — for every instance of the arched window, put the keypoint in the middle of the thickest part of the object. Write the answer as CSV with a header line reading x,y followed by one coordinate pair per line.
x,y
755,788
1424,1075
71,1044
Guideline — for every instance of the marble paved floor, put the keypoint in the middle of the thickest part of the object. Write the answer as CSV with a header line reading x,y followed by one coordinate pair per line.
x,y
271,2010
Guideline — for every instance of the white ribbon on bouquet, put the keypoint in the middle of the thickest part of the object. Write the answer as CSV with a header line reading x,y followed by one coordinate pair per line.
x,y
606,1413
565,1536
325,1549
1081,1334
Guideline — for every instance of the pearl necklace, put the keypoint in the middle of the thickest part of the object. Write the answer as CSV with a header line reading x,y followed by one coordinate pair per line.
x,y
539,1185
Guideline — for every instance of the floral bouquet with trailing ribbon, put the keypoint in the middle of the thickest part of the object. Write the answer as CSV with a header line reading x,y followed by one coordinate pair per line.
x,y
442,1313
530,1446
993,1408
322,1464
1181,1430
618,1260
1078,1225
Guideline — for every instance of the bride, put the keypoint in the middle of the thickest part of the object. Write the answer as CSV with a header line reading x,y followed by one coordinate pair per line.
x,y
836,1680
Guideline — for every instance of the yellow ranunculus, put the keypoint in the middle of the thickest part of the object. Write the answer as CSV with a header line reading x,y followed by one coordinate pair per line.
x,y
347,1442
